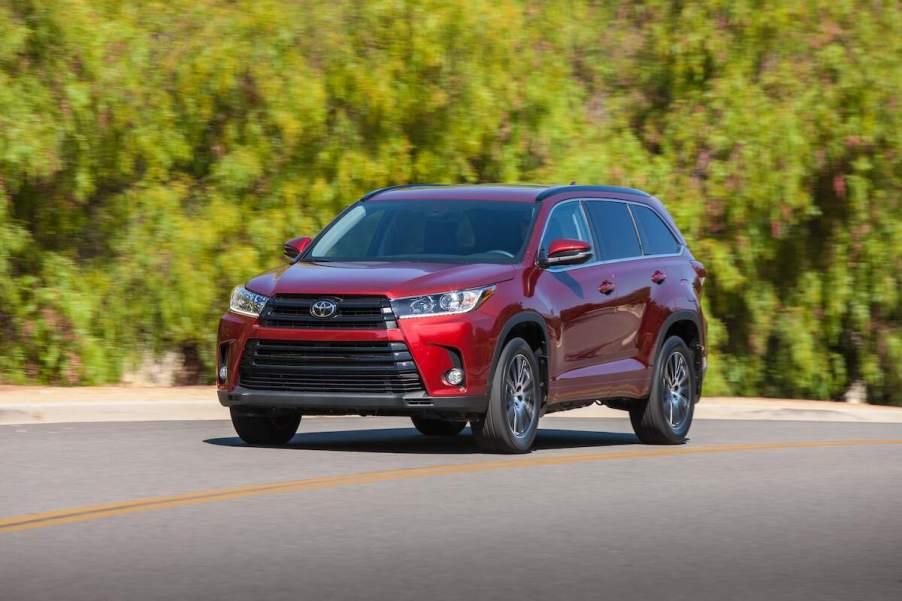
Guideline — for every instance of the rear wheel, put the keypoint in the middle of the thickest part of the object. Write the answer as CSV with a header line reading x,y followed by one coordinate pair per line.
x,y
665,417
264,428
437,427
512,418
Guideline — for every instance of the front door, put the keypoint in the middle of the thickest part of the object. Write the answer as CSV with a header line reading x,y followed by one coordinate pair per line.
x,y
577,307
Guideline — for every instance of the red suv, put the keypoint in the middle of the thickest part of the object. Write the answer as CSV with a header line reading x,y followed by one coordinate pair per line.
x,y
488,304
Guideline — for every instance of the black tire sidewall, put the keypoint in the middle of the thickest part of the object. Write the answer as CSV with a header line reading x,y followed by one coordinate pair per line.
x,y
433,426
500,436
265,429
655,399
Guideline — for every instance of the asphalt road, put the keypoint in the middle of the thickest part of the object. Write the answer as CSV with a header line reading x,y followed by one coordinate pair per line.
x,y
366,508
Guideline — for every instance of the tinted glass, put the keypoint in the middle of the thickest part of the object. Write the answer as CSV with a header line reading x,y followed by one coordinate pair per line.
x,y
657,239
614,230
427,230
566,222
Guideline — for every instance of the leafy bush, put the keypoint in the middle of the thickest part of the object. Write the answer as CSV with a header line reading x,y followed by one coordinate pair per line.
x,y
153,154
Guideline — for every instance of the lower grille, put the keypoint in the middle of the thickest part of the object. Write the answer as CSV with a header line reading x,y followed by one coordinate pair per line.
x,y
329,367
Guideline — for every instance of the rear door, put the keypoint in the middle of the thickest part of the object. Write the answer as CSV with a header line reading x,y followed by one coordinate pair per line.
x,y
626,293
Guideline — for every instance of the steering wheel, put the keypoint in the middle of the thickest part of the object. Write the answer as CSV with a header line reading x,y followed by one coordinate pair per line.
x,y
501,252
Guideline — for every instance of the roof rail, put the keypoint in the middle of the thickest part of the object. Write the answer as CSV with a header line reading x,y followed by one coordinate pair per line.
x,y
559,189
378,191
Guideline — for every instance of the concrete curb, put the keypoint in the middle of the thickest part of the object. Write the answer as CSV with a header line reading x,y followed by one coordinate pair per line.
x,y
34,404
740,408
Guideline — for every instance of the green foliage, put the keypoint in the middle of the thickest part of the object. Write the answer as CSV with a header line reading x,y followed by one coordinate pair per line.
x,y
153,154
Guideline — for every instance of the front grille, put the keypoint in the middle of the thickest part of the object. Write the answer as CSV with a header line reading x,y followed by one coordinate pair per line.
x,y
349,367
353,312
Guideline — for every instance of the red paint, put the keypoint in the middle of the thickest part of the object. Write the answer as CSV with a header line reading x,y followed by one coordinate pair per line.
x,y
565,247
296,246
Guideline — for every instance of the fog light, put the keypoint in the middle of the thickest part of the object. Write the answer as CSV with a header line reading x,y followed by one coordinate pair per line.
x,y
454,377
223,373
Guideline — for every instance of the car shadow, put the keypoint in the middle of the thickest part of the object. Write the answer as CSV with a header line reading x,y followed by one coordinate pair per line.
x,y
408,440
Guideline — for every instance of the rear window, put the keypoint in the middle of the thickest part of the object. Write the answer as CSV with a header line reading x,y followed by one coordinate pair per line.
x,y
657,239
614,230
427,230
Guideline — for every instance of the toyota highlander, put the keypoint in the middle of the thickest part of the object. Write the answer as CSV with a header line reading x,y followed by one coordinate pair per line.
x,y
489,305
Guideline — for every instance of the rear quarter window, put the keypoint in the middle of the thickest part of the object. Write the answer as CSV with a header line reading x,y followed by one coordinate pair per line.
x,y
657,239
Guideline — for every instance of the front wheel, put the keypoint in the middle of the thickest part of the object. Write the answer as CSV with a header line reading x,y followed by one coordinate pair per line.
x,y
437,427
512,419
665,417
264,428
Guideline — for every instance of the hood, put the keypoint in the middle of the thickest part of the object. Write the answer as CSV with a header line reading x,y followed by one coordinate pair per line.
x,y
394,280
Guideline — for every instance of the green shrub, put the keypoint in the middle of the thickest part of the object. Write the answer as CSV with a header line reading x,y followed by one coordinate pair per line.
x,y
153,154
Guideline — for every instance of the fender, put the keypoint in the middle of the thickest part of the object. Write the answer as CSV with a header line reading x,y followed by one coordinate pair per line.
x,y
672,319
519,318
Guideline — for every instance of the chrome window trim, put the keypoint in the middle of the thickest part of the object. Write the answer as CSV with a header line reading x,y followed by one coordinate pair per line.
x,y
636,229
595,262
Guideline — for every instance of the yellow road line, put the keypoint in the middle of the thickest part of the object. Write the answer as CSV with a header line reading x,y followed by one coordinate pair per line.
x,y
96,512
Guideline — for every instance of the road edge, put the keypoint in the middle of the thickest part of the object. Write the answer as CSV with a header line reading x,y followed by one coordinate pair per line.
x,y
46,404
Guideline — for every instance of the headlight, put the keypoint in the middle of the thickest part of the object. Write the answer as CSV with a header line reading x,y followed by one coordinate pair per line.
x,y
246,302
449,303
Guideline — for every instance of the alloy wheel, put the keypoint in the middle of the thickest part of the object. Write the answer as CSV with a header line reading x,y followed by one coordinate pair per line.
x,y
676,390
520,392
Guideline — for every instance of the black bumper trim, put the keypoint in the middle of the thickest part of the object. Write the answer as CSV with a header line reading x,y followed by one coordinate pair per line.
x,y
348,403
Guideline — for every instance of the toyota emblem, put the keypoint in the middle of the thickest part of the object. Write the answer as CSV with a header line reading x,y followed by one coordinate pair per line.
x,y
323,309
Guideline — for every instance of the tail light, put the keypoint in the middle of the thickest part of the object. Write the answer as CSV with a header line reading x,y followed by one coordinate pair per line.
x,y
699,271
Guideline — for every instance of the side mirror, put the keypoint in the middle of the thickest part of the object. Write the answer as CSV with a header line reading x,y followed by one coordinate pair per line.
x,y
295,247
566,252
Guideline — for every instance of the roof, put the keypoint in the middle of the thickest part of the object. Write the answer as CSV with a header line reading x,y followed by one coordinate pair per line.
x,y
508,192
519,193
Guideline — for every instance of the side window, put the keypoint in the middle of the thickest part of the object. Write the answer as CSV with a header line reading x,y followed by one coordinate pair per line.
x,y
614,230
657,239
566,221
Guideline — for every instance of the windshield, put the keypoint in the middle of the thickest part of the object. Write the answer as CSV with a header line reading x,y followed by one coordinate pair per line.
x,y
427,230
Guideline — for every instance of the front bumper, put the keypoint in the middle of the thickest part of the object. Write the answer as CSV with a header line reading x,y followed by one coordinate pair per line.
x,y
354,404
432,342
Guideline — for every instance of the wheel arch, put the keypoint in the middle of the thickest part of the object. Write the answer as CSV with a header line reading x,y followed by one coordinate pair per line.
x,y
530,326
688,326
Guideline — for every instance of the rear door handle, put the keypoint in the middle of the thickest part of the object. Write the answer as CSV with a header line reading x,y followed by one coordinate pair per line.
x,y
658,277
606,287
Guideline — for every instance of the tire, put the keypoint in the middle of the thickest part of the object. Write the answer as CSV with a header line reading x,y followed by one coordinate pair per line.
x,y
265,429
665,417
437,427
512,418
